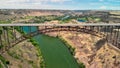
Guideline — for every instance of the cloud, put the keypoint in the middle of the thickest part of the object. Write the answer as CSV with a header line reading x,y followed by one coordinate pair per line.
x,y
101,0
98,3
59,4
29,3
58,0
113,0
103,7
116,8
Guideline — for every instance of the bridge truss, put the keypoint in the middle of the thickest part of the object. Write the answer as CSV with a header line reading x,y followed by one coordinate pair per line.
x,y
9,33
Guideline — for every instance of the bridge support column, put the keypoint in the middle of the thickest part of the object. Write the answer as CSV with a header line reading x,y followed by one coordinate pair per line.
x,y
30,30
107,31
21,29
14,31
98,29
92,28
1,44
38,30
114,37
118,37
6,37
45,31
110,36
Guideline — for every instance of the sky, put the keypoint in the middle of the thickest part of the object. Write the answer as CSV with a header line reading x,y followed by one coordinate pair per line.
x,y
61,4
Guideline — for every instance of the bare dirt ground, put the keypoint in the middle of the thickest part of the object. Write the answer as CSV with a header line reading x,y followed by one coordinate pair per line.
x,y
37,13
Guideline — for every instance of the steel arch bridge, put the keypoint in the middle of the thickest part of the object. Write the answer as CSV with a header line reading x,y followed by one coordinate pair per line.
x,y
110,32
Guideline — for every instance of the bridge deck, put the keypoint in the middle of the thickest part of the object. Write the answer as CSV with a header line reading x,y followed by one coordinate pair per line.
x,y
83,24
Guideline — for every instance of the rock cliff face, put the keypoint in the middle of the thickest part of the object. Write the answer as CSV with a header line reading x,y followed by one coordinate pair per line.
x,y
106,57
22,55
93,51
11,14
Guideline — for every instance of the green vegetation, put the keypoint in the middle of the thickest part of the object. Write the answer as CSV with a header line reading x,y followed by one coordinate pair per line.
x,y
27,17
5,21
1,66
7,62
83,18
67,18
19,30
97,19
39,19
81,65
42,62
42,19
72,50
94,19
20,66
4,61
14,55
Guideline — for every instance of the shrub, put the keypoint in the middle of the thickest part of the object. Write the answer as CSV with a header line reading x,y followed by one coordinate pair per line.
x,y
81,65
7,62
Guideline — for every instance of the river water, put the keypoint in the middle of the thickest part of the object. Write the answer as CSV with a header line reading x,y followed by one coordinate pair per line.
x,y
54,51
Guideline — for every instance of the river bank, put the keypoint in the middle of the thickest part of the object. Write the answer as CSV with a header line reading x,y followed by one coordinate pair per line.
x,y
90,50
72,50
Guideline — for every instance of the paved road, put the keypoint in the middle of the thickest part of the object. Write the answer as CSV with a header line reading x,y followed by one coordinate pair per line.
x,y
85,24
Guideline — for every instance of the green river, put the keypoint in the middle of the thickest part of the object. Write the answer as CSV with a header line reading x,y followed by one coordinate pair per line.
x,y
54,51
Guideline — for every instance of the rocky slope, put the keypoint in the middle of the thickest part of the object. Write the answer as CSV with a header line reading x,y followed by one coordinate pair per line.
x,y
16,14
91,50
22,55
